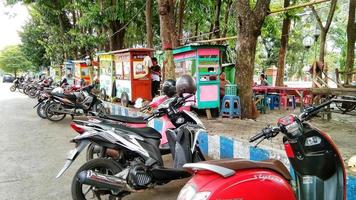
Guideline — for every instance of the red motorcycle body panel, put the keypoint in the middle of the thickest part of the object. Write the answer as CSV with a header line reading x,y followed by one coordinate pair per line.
x,y
251,184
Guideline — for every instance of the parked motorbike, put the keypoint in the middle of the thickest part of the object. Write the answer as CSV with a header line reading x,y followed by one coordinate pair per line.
x,y
75,104
94,150
17,84
318,168
35,89
45,98
138,164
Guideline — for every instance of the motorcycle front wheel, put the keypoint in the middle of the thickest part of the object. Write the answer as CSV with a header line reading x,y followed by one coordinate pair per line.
x,y
13,88
32,93
41,110
52,112
100,109
105,166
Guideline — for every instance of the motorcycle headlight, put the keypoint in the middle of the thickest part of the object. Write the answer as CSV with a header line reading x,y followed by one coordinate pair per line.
x,y
188,192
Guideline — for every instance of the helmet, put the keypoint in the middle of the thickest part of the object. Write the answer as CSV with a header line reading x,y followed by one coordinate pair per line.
x,y
169,87
185,84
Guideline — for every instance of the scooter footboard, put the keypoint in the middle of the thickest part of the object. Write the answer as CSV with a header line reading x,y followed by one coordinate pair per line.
x,y
315,188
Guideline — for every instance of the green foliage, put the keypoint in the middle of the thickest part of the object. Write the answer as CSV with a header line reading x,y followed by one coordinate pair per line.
x,y
33,37
72,29
12,60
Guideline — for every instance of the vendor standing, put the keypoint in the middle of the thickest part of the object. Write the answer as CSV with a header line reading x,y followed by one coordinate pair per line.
x,y
155,76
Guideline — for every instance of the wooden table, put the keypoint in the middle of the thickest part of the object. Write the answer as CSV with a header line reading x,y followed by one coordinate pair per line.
x,y
298,92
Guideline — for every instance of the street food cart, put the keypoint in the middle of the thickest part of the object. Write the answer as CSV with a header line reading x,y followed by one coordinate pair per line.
x,y
123,74
132,76
68,70
82,71
203,63
106,63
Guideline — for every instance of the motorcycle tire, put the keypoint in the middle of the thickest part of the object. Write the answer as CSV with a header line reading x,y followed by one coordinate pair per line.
x,y
25,90
50,113
101,110
102,165
124,99
13,88
41,110
32,93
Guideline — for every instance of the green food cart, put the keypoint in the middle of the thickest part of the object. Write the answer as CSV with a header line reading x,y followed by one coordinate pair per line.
x,y
203,62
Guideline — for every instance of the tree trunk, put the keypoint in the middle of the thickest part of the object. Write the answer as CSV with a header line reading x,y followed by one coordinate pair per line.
x,y
216,28
324,29
351,37
322,45
284,46
172,20
116,38
196,32
226,18
149,32
244,71
166,7
180,20
249,24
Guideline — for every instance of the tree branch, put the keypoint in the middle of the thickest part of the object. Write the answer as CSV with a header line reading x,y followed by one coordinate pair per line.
x,y
261,9
331,14
317,17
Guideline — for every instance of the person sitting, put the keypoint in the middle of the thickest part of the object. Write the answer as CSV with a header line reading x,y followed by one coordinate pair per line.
x,y
263,80
223,82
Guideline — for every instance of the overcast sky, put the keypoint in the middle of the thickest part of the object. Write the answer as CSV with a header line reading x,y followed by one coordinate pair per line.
x,y
12,18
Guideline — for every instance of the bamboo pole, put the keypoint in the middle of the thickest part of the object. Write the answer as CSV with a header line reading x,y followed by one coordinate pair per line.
x,y
217,39
298,6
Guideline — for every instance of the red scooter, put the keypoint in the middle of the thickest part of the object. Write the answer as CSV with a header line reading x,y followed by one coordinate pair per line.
x,y
318,168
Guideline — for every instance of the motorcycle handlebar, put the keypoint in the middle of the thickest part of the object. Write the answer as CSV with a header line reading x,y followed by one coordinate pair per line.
x,y
268,132
308,113
256,137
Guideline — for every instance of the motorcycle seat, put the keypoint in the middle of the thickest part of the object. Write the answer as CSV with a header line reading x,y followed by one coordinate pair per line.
x,y
241,164
146,132
120,118
68,96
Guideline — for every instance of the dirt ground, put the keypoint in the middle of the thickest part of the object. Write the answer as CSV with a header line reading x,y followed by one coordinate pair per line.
x,y
341,128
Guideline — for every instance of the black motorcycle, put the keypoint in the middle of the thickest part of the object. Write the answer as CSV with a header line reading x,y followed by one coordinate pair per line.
x,y
75,104
138,164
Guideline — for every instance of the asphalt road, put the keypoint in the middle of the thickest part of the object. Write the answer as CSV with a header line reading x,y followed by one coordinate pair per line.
x,y
33,151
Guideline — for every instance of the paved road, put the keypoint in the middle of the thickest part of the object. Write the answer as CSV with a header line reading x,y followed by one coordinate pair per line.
x,y
33,150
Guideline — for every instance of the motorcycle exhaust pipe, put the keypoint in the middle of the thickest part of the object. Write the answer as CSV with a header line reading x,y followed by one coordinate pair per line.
x,y
98,180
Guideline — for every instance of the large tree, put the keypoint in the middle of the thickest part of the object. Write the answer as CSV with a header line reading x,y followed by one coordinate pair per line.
x,y
167,26
324,28
284,45
351,38
249,23
12,60
149,31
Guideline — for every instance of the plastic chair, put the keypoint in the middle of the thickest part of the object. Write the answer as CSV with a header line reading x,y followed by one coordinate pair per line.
x,y
230,106
260,101
288,101
273,101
